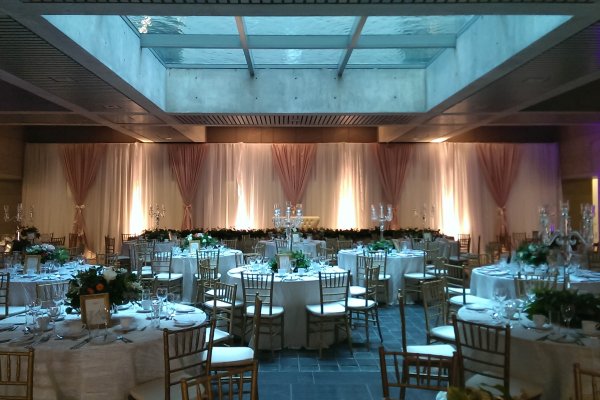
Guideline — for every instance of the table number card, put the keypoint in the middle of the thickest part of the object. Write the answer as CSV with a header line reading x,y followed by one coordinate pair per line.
x,y
95,309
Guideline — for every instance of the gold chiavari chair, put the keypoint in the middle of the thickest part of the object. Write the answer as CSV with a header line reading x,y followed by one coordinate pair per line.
x,y
162,270
435,310
16,374
187,353
431,372
331,314
587,383
240,383
367,306
484,358
272,316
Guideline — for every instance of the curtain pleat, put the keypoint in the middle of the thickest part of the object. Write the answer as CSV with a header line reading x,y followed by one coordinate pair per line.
x,y
81,163
499,164
186,163
293,163
392,163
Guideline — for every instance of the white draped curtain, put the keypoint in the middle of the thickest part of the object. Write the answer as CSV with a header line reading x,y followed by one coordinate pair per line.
x,y
443,189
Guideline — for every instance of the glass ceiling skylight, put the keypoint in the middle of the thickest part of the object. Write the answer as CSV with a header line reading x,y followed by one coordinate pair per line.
x,y
298,42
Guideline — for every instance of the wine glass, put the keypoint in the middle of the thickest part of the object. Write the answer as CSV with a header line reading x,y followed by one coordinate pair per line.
x,y
500,294
161,293
54,312
568,312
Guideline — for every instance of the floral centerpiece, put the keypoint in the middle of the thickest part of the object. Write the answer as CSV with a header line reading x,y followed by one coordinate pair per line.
x,y
534,254
48,252
384,245
548,301
121,286
204,238
297,258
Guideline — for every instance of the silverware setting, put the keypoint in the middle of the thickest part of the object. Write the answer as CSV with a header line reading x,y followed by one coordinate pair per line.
x,y
81,344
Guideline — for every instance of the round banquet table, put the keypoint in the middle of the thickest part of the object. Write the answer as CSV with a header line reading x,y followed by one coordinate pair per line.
x,y
484,279
398,263
293,294
95,371
308,247
23,286
534,357
186,264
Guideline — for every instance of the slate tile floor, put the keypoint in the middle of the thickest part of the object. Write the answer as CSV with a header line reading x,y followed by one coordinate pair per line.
x,y
301,375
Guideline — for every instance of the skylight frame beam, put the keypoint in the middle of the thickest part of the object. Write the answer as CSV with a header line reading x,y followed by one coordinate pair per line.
x,y
197,41
239,22
360,23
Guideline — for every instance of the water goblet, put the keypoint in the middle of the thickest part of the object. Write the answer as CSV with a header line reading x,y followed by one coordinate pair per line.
x,y
500,294
568,312
161,293
54,312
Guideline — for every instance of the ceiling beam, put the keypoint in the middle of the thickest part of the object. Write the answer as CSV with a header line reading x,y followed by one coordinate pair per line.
x,y
239,21
306,8
196,41
357,29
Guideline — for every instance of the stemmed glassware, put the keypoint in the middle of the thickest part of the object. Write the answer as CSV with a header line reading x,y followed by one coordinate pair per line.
x,y
54,312
500,295
161,293
567,311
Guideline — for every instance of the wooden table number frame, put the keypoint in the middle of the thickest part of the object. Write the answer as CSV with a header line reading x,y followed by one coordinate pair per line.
x,y
95,309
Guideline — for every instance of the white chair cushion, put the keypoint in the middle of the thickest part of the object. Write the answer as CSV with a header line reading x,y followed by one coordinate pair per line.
x,y
360,304
433,349
454,290
444,332
357,291
385,277
517,386
441,396
419,276
219,336
330,309
218,276
469,299
222,304
264,312
230,356
164,276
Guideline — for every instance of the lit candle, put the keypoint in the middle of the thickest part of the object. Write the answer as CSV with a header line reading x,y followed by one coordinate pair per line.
x,y
380,210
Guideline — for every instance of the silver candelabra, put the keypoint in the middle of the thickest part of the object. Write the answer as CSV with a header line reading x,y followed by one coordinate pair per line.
x,y
157,213
291,220
19,217
564,236
382,217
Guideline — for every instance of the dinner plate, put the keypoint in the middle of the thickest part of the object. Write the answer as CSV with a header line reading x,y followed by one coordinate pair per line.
x,y
6,327
476,307
184,309
131,327
22,340
182,323
124,306
530,325
497,273
141,310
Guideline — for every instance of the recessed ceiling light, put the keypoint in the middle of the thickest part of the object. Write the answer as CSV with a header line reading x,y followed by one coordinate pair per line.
x,y
111,106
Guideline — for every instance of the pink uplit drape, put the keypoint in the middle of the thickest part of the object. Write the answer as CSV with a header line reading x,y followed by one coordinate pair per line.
x,y
186,162
80,164
293,163
499,164
392,163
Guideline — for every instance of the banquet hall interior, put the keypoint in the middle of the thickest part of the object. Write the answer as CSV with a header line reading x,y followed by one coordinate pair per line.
x,y
304,120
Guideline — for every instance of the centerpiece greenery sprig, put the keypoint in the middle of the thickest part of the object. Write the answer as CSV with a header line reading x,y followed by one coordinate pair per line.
x,y
384,245
297,259
533,253
48,252
548,301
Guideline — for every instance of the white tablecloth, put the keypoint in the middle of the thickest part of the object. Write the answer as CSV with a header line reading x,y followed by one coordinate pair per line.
x,y
94,371
186,264
293,295
484,279
22,286
308,247
397,265
546,363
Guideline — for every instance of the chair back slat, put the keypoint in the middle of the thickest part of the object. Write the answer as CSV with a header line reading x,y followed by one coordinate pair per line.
x,y
334,288
239,383
261,285
587,383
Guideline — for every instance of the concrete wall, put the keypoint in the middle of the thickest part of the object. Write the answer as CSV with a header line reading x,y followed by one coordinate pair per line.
x,y
12,149
580,152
